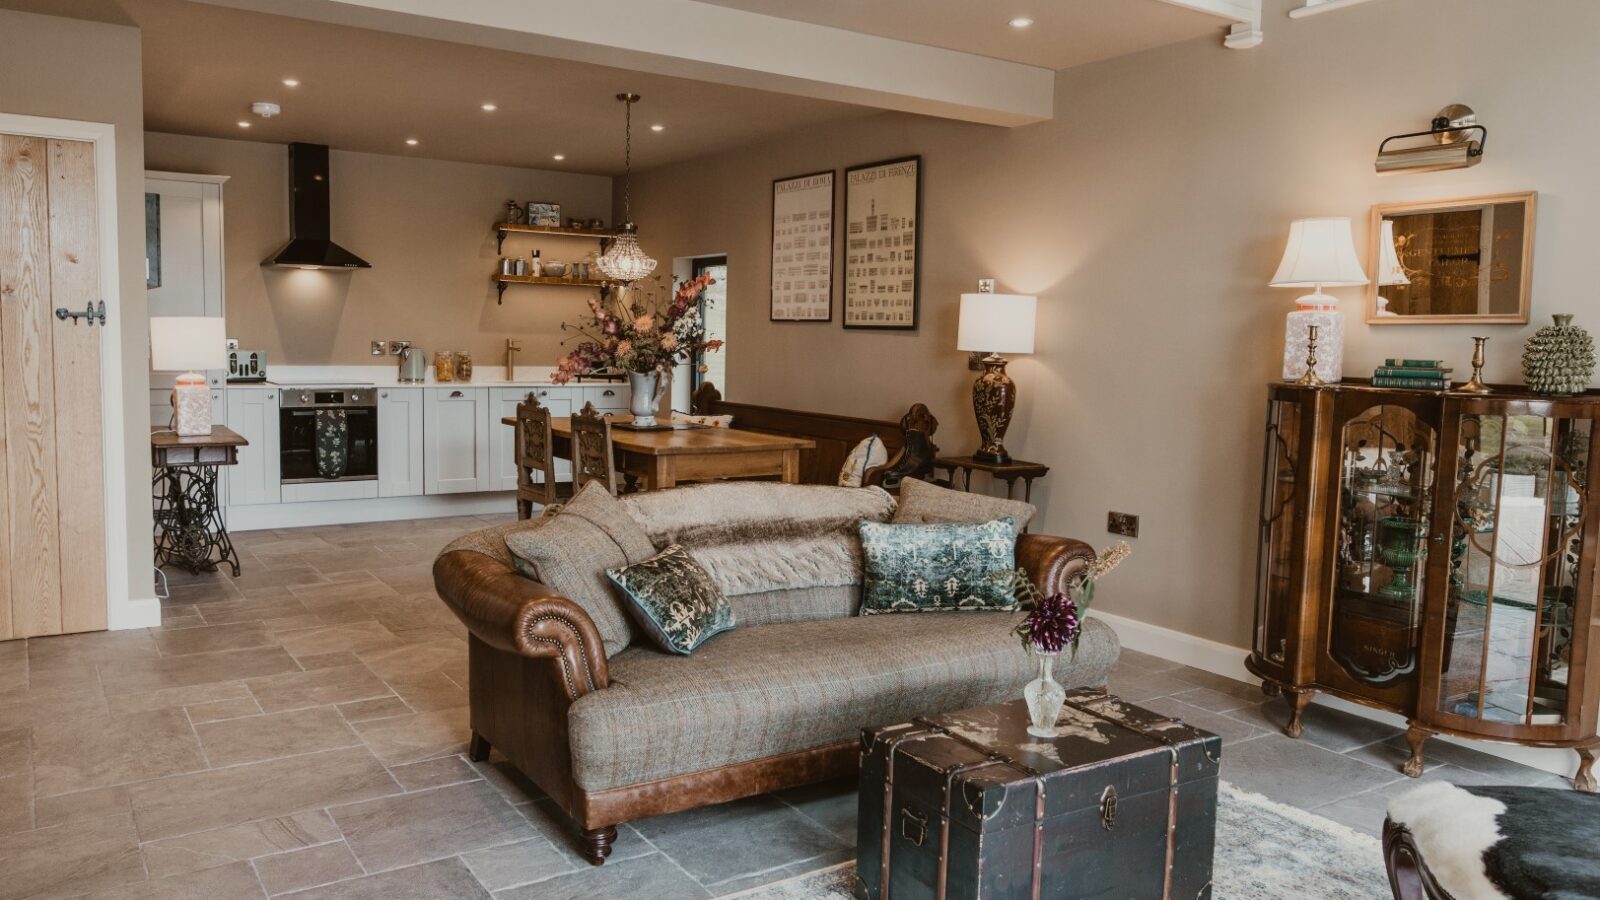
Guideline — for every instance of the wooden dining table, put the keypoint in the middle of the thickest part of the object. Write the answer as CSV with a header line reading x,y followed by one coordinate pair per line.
x,y
661,459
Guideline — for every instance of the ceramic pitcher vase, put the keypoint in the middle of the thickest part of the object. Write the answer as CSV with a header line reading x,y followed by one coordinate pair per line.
x,y
647,388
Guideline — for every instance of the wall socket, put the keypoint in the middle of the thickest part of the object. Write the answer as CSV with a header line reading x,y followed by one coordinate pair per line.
x,y
1125,524
380,348
397,347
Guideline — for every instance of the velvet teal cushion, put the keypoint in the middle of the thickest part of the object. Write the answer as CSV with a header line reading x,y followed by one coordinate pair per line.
x,y
923,568
673,600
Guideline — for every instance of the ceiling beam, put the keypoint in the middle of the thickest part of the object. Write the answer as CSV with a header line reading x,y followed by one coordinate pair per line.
x,y
1242,16
702,42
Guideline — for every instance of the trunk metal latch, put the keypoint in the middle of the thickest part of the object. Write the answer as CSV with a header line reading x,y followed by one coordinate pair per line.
x,y
913,827
1108,807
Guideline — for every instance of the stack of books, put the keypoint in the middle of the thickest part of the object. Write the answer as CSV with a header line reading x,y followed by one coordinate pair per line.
x,y
1419,374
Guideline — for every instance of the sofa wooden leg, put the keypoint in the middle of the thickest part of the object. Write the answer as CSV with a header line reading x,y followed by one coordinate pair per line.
x,y
597,843
478,748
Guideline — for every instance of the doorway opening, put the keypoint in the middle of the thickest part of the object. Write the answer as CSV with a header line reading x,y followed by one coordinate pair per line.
x,y
712,367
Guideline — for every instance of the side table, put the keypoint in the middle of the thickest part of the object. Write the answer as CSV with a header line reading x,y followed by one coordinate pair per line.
x,y
1008,472
189,529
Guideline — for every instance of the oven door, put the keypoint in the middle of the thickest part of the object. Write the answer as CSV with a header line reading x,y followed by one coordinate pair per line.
x,y
297,442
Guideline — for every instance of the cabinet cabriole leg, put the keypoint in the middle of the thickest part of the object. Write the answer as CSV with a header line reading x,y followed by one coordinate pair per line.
x,y
1298,701
1416,737
1584,780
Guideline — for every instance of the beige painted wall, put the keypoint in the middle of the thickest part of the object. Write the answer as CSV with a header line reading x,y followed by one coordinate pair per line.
x,y
425,227
87,71
1148,217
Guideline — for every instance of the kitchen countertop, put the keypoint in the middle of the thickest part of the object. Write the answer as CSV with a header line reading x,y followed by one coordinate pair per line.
x,y
388,377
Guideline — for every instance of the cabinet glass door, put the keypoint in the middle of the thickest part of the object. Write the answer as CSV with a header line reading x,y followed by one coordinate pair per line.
x,y
1282,502
1386,471
1514,557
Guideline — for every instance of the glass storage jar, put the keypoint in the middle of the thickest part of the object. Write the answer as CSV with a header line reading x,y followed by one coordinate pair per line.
x,y
463,365
443,366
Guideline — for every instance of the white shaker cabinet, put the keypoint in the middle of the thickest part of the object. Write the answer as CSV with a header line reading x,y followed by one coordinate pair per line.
x,y
561,401
455,458
400,442
257,478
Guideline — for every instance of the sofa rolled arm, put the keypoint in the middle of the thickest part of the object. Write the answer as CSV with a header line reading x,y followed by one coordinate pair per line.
x,y
519,615
1051,561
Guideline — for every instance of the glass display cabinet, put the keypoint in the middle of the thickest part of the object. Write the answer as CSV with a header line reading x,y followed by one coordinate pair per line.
x,y
1433,554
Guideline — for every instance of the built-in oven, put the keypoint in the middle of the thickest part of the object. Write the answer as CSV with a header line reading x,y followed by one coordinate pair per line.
x,y
328,433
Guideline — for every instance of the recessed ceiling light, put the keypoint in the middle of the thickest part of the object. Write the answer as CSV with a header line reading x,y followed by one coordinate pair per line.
x,y
559,157
1021,22
243,124
488,107
658,128
291,82
411,142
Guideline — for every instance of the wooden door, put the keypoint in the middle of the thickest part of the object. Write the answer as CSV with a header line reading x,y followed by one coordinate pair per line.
x,y
52,489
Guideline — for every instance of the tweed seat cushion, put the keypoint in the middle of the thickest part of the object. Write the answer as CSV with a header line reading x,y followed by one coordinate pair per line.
x,y
773,689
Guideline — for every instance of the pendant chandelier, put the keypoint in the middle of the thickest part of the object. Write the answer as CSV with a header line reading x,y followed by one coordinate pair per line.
x,y
623,261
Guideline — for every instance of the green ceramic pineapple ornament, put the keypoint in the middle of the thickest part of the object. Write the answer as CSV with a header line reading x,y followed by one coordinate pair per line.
x,y
1559,358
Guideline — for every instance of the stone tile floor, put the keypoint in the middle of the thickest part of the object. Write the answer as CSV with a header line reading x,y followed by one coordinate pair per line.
x,y
300,730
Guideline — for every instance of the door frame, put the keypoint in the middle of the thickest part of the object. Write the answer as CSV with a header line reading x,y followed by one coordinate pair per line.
x,y
123,608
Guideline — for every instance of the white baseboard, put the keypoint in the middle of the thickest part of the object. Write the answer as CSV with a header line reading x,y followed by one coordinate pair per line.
x,y
134,612
378,509
1222,659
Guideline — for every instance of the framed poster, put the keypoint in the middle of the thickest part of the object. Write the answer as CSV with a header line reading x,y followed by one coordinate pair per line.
x,y
883,224
802,248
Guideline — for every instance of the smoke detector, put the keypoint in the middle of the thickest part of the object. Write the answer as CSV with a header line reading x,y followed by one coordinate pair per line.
x,y
265,110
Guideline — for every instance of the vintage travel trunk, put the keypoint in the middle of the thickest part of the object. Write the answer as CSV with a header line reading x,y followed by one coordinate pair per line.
x,y
1121,805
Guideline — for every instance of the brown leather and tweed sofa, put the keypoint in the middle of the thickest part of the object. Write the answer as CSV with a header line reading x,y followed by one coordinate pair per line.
x,y
778,701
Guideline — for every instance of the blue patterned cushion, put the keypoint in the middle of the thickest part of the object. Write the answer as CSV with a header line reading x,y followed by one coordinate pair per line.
x,y
922,568
674,600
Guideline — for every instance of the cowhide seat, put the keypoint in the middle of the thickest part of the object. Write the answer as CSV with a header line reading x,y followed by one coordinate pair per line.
x,y
1445,842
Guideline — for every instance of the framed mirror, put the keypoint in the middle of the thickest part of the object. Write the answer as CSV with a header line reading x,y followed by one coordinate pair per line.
x,y
1451,261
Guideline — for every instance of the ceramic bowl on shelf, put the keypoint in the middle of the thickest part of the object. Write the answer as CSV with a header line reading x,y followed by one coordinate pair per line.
x,y
555,269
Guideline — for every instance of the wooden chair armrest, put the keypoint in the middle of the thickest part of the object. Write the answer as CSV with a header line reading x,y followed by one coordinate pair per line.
x,y
1051,561
518,615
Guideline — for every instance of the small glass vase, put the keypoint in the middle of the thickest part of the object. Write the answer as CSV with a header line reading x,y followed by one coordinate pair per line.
x,y
1044,697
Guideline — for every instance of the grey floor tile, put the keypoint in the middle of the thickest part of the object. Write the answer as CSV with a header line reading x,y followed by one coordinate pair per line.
x,y
831,804
1298,773
447,879
140,675
310,867
1133,660
318,687
69,859
410,828
718,843
257,738
239,843
79,754
1136,686
1221,701
511,865
652,877
406,739
438,772
1338,730
211,638
220,797
554,825
231,882
1232,731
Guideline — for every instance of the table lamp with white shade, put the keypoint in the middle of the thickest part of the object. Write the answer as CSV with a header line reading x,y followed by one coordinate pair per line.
x,y
1321,253
1390,271
190,345
994,324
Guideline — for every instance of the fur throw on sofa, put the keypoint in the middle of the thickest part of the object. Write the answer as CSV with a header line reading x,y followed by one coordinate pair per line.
x,y
755,536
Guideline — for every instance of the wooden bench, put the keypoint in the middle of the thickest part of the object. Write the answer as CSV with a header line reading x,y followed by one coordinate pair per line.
x,y
909,441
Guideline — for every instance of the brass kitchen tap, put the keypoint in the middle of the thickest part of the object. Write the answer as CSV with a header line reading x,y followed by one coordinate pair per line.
x,y
512,346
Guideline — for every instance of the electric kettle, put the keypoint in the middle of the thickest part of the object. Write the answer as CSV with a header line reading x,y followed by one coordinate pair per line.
x,y
413,366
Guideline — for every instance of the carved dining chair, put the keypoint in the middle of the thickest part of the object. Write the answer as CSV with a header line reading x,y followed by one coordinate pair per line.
x,y
593,458
536,460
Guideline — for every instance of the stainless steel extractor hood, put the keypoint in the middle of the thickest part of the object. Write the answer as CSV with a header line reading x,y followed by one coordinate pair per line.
x,y
311,243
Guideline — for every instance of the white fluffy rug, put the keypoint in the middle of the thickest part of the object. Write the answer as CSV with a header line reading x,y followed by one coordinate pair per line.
x,y
1265,851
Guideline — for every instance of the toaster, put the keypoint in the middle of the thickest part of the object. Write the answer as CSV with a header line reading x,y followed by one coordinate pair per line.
x,y
247,365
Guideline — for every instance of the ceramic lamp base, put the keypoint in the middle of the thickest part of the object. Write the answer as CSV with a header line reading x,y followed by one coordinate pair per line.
x,y
1330,343
191,404
994,395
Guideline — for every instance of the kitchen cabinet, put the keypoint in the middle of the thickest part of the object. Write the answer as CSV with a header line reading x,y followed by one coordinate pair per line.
x,y
561,401
455,427
253,413
400,442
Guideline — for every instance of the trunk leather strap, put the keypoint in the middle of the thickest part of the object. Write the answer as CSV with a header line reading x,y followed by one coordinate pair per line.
x,y
891,746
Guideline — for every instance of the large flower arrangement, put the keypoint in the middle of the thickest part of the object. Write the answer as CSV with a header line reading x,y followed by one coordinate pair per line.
x,y
632,330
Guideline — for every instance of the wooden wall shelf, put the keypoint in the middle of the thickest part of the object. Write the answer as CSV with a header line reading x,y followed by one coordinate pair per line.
x,y
504,228
501,281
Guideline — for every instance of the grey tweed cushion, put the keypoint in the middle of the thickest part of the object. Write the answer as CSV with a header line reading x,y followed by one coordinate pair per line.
x,y
572,550
922,503
774,689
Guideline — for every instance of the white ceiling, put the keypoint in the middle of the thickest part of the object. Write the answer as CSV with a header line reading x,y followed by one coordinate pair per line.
x,y
1064,33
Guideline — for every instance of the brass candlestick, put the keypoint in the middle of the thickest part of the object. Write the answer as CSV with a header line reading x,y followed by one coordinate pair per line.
x,y
1476,385
1310,379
